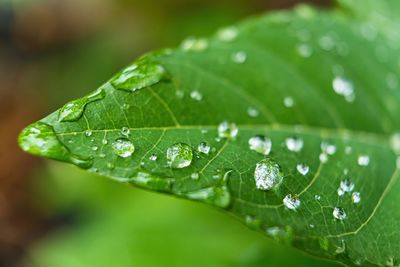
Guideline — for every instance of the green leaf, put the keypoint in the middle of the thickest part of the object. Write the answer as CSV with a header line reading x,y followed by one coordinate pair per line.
x,y
288,121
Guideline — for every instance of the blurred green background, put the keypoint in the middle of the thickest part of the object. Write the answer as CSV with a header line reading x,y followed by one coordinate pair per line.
x,y
51,214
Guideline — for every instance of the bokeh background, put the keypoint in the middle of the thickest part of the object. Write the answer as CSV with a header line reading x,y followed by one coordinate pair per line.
x,y
55,215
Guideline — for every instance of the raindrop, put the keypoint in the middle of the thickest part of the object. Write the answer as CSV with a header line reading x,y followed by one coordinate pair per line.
x,y
363,160
204,148
260,144
180,94
252,112
228,34
395,142
227,130
125,131
340,192
328,148
104,141
356,197
252,222
88,133
194,176
343,87
95,148
179,155
288,102
153,157
268,174
126,106
302,168
239,57
326,42
317,197
347,185
294,144
123,147
339,213
194,44
323,157
291,202
110,165
196,95
304,50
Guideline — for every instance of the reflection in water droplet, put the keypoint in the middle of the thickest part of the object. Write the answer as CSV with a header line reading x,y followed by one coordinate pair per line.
x,y
194,44
179,155
291,202
73,110
204,148
339,213
363,160
294,144
252,112
302,168
239,57
196,95
268,175
123,147
260,144
343,87
227,130
228,34
356,197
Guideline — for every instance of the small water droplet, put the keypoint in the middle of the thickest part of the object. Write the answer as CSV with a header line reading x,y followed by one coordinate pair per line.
x,y
363,160
294,144
227,130
340,192
179,155
104,141
218,196
194,44
260,144
102,155
291,202
95,148
323,157
288,102
125,131
126,106
194,176
180,94
204,148
346,185
252,222
228,34
304,50
88,133
268,174
252,112
326,42
302,168
196,95
110,165
123,147
312,226
356,197
153,157
317,197
239,57
339,213
343,87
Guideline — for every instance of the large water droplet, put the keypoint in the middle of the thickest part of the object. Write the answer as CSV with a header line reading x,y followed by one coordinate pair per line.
x,y
179,155
339,213
260,144
123,147
294,144
228,34
363,160
291,202
204,148
343,87
268,174
194,44
137,76
227,130
73,110
302,168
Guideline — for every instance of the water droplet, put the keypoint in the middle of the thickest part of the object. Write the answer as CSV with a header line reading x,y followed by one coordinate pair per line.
x,y
252,112
95,148
102,155
204,148
343,87
73,110
340,192
194,176
88,133
304,50
239,57
194,44
104,141
312,226
196,95
123,147
218,196
268,174
260,144
291,202
125,131
326,42
137,76
110,165
153,157
294,144
363,160
356,197
228,34
179,155
126,106
339,213
252,222
180,94
346,185
395,142
317,197
227,130
328,148
288,102
323,157
302,168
